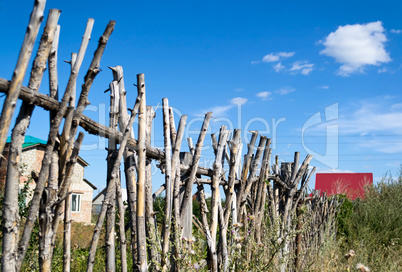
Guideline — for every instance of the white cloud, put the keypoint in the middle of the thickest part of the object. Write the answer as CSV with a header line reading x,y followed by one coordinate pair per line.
x,y
396,31
274,57
238,101
356,46
278,67
303,66
371,119
285,90
221,110
255,62
264,95
332,170
324,87
382,70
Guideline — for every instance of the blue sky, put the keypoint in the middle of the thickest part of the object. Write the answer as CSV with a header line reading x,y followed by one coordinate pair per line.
x,y
317,77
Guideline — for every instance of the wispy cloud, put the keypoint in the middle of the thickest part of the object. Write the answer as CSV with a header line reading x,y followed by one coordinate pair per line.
x,y
357,46
278,67
238,101
324,87
396,31
221,110
373,117
382,70
264,95
376,120
332,170
285,90
304,67
274,57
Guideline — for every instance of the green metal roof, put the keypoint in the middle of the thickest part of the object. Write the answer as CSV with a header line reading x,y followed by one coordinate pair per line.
x,y
29,141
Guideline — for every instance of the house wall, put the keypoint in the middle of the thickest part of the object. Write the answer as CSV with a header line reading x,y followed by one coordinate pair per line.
x,y
79,186
31,160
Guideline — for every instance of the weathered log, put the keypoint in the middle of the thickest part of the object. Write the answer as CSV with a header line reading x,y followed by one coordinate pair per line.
x,y
251,177
167,219
20,70
190,145
111,210
93,70
223,227
129,157
17,139
67,123
64,200
111,186
62,164
141,231
122,233
149,201
244,172
197,154
92,127
173,132
261,191
52,65
33,209
176,169
177,224
217,168
212,258
234,146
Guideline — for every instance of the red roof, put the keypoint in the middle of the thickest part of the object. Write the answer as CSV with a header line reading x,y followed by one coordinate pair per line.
x,y
351,184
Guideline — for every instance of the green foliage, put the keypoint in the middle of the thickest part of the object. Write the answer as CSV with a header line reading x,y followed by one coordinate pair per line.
x,y
372,227
344,215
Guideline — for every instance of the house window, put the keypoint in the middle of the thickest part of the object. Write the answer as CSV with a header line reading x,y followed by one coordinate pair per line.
x,y
75,202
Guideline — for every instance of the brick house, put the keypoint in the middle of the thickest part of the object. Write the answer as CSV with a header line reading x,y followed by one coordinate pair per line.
x,y
33,151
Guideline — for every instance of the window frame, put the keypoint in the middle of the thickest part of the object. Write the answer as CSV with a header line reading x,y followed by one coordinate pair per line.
x,y
79,197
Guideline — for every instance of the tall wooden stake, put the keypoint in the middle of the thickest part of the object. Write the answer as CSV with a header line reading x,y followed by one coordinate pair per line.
x,y
11,227
167,221
142,124
20,69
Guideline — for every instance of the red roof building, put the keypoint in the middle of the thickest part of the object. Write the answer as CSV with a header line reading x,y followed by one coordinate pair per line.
x,y
351,184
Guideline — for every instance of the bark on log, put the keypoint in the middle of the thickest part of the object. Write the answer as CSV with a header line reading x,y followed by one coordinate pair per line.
x,y
52,65
111,210
10,227
122,232
141,233
176,178
244,172
20,70
149,202
92,127
167,219
197,154
234,146
33,209
212,258
129,158
93,70
111,187
223,136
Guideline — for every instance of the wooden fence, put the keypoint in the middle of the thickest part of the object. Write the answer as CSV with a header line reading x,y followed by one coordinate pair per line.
x,y
263,201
